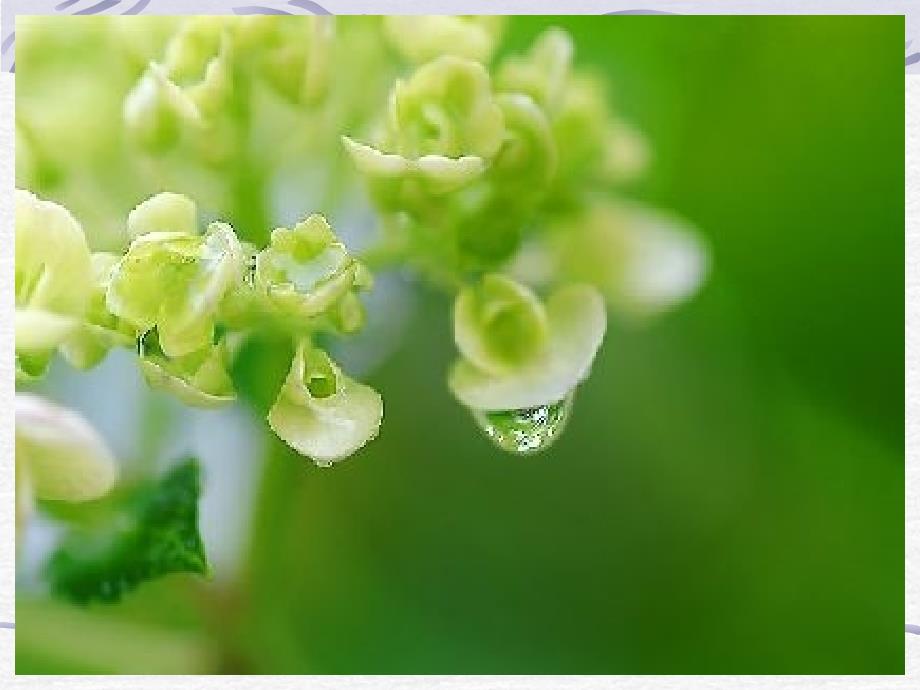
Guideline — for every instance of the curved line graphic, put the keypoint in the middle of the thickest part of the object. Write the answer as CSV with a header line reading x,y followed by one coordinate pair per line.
x,y
138,8
255,9
98,7
310,6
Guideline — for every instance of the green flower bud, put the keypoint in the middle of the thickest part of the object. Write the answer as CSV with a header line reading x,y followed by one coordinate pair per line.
x,y
518,353
582,121
500,205
643,260
527,160
157,110
544,73
293,54
446,108
101,330
175,282
198,379
53,280
598,148
593,146
626,153
192,48
347,314
443,126
198,60
59,454
305,270
499,324
187,91
163,212
396,179
420,38
322,413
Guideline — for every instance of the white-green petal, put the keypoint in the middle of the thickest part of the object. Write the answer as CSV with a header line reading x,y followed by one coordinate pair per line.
x,y
89,343
156,109
163,212
137,289
627,152
645,261
294,56
666,263
328,428
176,282
221,265
445,108
52,267
499,324
100,330
305,270
442,173
53,280
544,73
205,383
576,322
66,458
38,330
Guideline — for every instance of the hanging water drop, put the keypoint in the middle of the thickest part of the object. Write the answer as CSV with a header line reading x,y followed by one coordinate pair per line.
x,y
527,430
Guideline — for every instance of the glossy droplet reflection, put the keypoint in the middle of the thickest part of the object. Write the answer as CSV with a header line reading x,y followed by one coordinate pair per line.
x,y
528,430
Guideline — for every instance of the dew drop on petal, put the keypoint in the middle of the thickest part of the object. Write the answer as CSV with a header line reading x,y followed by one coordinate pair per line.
x,y
527,430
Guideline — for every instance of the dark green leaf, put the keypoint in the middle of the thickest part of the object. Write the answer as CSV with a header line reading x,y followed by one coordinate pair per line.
x,y
153,534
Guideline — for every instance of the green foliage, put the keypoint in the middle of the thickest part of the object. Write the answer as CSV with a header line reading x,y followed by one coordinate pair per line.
x,y
151,531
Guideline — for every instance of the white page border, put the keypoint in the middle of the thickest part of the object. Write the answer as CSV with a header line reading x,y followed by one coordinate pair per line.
x,y
912,376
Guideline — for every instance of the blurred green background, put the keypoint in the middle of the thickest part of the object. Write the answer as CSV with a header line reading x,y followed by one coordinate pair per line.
x,y
729,495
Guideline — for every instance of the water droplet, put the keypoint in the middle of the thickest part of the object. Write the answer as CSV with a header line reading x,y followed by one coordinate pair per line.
x,y
527,430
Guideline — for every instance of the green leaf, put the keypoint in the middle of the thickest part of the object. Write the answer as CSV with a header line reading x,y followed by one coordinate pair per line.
x,y
154,533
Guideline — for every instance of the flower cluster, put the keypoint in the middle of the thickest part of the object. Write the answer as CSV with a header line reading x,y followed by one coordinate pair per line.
x,y
495,177
187,299
492,176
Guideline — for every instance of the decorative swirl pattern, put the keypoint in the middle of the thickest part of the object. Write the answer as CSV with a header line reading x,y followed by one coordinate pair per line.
x,y
82,7
129,7
912,58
